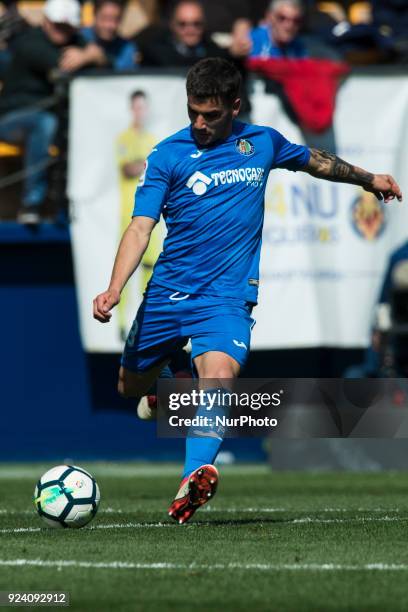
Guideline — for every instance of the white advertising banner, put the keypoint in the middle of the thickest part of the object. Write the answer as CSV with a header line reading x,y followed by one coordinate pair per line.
x,y
325,245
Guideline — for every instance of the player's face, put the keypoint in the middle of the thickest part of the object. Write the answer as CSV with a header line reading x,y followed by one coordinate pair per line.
x,y
59,33
285,22
211,120
107,21
139,110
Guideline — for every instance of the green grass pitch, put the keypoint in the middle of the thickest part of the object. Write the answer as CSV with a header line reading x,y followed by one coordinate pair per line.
x,y
268,541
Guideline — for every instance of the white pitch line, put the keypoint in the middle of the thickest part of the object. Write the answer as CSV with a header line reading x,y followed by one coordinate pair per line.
x,y
308,520
356,519
133,525
22,530
278,567
102,526
6,511
229,510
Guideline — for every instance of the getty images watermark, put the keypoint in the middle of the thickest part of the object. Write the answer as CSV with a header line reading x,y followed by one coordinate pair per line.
x,y
213,408
286,408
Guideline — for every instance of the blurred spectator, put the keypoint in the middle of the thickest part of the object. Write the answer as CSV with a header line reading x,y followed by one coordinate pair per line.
x,y
278,36
290,66
382,37
12,24
392,14
121,53
220,15
391,18
26,114
185,41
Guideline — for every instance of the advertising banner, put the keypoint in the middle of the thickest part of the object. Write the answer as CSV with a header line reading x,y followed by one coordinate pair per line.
x,y
325,245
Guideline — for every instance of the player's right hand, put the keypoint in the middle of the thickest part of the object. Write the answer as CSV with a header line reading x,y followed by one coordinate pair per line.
x,y
385,187
103,304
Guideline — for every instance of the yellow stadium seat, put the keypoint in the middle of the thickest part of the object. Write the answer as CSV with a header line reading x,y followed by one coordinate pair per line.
x,y
87,14
8,150
360,12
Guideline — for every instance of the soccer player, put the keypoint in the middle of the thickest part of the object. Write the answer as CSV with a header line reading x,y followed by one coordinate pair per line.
x,y
208,181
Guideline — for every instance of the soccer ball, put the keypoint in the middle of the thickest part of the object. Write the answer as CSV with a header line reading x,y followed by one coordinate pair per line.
x,y
66,496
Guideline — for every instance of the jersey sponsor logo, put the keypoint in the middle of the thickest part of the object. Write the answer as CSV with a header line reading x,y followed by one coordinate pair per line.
x,y
251,176
199,183
244,147
240,344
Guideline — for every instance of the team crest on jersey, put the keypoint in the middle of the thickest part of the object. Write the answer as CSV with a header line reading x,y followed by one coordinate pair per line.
x,y
244,147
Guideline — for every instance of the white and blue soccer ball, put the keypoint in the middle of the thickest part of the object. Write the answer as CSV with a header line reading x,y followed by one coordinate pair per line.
x,y
66,496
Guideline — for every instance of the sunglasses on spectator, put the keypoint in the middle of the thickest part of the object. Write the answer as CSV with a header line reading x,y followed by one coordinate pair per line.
x,y
191,24
282,18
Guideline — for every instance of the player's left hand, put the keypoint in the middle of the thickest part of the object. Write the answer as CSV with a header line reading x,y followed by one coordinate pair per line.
x,y
385,187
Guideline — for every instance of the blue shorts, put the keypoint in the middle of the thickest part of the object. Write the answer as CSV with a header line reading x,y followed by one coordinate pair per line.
x,y
167,319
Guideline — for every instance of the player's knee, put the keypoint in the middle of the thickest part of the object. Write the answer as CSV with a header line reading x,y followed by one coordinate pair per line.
x,y
219,372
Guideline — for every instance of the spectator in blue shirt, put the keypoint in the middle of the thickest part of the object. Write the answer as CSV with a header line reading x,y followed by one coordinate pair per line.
x,y
278,37
121,53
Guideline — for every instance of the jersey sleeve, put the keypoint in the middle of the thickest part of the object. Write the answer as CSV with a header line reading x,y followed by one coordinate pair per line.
x,y
154,184
286,154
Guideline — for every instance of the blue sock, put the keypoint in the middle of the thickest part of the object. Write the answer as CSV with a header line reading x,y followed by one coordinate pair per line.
x,y
203,443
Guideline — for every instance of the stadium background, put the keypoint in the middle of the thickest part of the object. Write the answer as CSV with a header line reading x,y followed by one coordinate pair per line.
x,y
60,401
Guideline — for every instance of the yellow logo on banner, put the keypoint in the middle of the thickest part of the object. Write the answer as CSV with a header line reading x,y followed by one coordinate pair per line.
x,y
368,217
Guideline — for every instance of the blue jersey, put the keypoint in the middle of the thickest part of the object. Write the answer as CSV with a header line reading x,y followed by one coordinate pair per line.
x,y
263,46
212,200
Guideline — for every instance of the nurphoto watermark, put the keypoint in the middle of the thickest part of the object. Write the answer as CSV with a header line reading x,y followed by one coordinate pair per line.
x,y
287,408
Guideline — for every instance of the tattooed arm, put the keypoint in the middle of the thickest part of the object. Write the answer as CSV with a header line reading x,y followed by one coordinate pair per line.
x,y
330,167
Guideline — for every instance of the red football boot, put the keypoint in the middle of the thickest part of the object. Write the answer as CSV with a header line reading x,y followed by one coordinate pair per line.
x,y
195,491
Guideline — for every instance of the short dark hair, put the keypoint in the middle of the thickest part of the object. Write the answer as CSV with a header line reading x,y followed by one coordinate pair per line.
x,y
139,93
214,77
98,4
